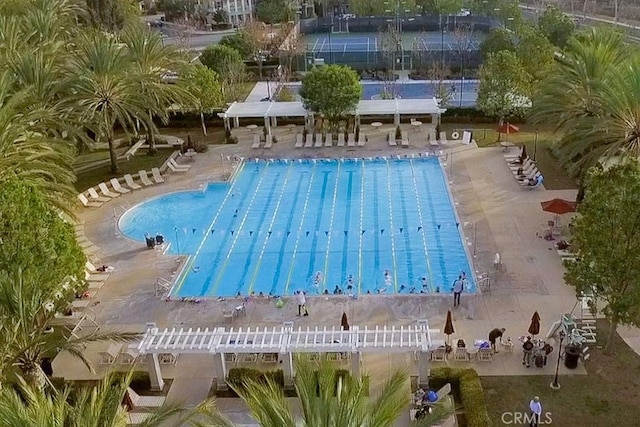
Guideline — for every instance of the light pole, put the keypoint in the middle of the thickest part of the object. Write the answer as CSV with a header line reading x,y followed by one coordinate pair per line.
x,y
554,385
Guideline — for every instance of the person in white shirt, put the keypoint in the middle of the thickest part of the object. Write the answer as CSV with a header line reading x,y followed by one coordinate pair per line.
x,y
302,303
536,411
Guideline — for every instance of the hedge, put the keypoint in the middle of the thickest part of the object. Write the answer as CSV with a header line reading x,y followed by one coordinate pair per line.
x,y
470,389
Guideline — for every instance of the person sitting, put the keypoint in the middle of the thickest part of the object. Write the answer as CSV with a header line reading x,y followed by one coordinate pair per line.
x,y
563,245
418,396
461,344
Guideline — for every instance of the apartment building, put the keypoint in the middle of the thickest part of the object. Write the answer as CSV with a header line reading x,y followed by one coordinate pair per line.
x,y
239,11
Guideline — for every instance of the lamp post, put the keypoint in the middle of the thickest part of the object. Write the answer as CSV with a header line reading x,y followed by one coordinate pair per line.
x,y
554,385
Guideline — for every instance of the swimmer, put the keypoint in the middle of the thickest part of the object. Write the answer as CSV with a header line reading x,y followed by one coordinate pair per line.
x,y
402,287
437,289
336,290
424,282
196,268
239,295
368,292
412,290
326,292
261,294
349,287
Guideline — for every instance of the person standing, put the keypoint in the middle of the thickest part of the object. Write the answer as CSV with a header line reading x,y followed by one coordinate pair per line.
x,y
302,303
536,411
527,351
458,287
494,335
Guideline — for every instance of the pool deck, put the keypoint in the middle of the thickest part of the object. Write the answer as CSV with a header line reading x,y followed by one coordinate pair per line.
x,y
504,217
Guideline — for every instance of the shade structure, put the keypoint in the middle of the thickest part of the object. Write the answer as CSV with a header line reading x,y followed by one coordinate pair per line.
x,y
534,327
344,322
448,326
508,128
558,206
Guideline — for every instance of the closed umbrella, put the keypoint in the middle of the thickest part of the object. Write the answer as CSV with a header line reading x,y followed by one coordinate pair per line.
x,y
344,322
448,327
534,327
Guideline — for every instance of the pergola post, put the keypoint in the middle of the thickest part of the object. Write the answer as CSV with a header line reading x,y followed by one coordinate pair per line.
x,y
396,119
220,371
236,122
435,119
357,119
267,124
274,121
155,374
287,369
227,126
423,369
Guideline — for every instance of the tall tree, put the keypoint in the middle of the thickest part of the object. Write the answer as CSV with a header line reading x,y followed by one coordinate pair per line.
x,y
219,58
498,39
331,90
330,399
505,86
204,84
111,15
275,11
535,51
440,7
605,234
573,97
242,42
556,26
33,235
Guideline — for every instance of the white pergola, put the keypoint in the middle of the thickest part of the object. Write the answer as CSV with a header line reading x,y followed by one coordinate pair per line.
x,y
285,341
270,111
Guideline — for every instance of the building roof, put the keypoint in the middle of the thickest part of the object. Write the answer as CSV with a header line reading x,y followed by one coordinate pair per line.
x,y
364,108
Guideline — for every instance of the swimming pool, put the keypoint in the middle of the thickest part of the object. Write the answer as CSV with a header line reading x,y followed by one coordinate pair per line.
x,y
363,226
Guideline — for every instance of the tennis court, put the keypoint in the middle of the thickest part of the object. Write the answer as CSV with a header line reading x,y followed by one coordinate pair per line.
x,y
370,42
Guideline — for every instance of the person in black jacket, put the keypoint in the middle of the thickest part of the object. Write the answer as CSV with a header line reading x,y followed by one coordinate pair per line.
x,y
494,335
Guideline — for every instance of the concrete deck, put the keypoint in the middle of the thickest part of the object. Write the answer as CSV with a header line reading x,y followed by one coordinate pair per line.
x,y
501,215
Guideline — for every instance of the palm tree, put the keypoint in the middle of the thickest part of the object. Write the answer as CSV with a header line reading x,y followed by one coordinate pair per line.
x,y
99,406
578,94
107,89
153,61
329,398
27,305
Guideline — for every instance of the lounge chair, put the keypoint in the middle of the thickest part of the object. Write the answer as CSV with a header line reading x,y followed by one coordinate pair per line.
x,y
144,178
87,203
537,184
268,141
119,188
256,141
362,139
105,191
128,356
351,140
432,137
93,270
138,401
175,169
167,358
299,141
392,139
93,194
328,142
443,138
485,355
95,277
460,354
405,139
111,354
308,143
318,143
341,139
179,166
131,183
157,176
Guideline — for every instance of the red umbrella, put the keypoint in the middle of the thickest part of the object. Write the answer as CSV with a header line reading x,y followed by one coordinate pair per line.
x,y
558,206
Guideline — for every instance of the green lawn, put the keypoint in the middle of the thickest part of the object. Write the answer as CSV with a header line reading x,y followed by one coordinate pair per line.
x,y
101,174
555,177
607,396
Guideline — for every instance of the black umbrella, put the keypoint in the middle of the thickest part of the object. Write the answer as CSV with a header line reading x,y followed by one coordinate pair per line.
x,y
344,322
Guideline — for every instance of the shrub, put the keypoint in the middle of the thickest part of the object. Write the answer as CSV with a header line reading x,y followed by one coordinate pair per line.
x,y
467,383
285,95
200,146
140,380
238,377
274,139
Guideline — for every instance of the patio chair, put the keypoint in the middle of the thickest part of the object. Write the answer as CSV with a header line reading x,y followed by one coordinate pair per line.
x,y
128,357
86,203
175,169
328,142
167,358
341,139
538,183
269,358
308,143
94,196
318,143
157,176
485,355
119,188
109,356
299,141
460,354
228,315
131,183
351,140
362,140
230,357
105,191
138,401
144,178
179,166
439,355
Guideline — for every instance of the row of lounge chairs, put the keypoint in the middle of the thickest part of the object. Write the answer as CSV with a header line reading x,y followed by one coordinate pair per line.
x,y
93,198
392,139
328,141
524,170
268,143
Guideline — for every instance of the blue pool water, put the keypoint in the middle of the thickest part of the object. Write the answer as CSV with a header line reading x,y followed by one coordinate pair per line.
x,y
278,227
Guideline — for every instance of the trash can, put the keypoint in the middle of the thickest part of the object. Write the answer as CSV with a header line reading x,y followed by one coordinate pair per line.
x,y
151,242
571,356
